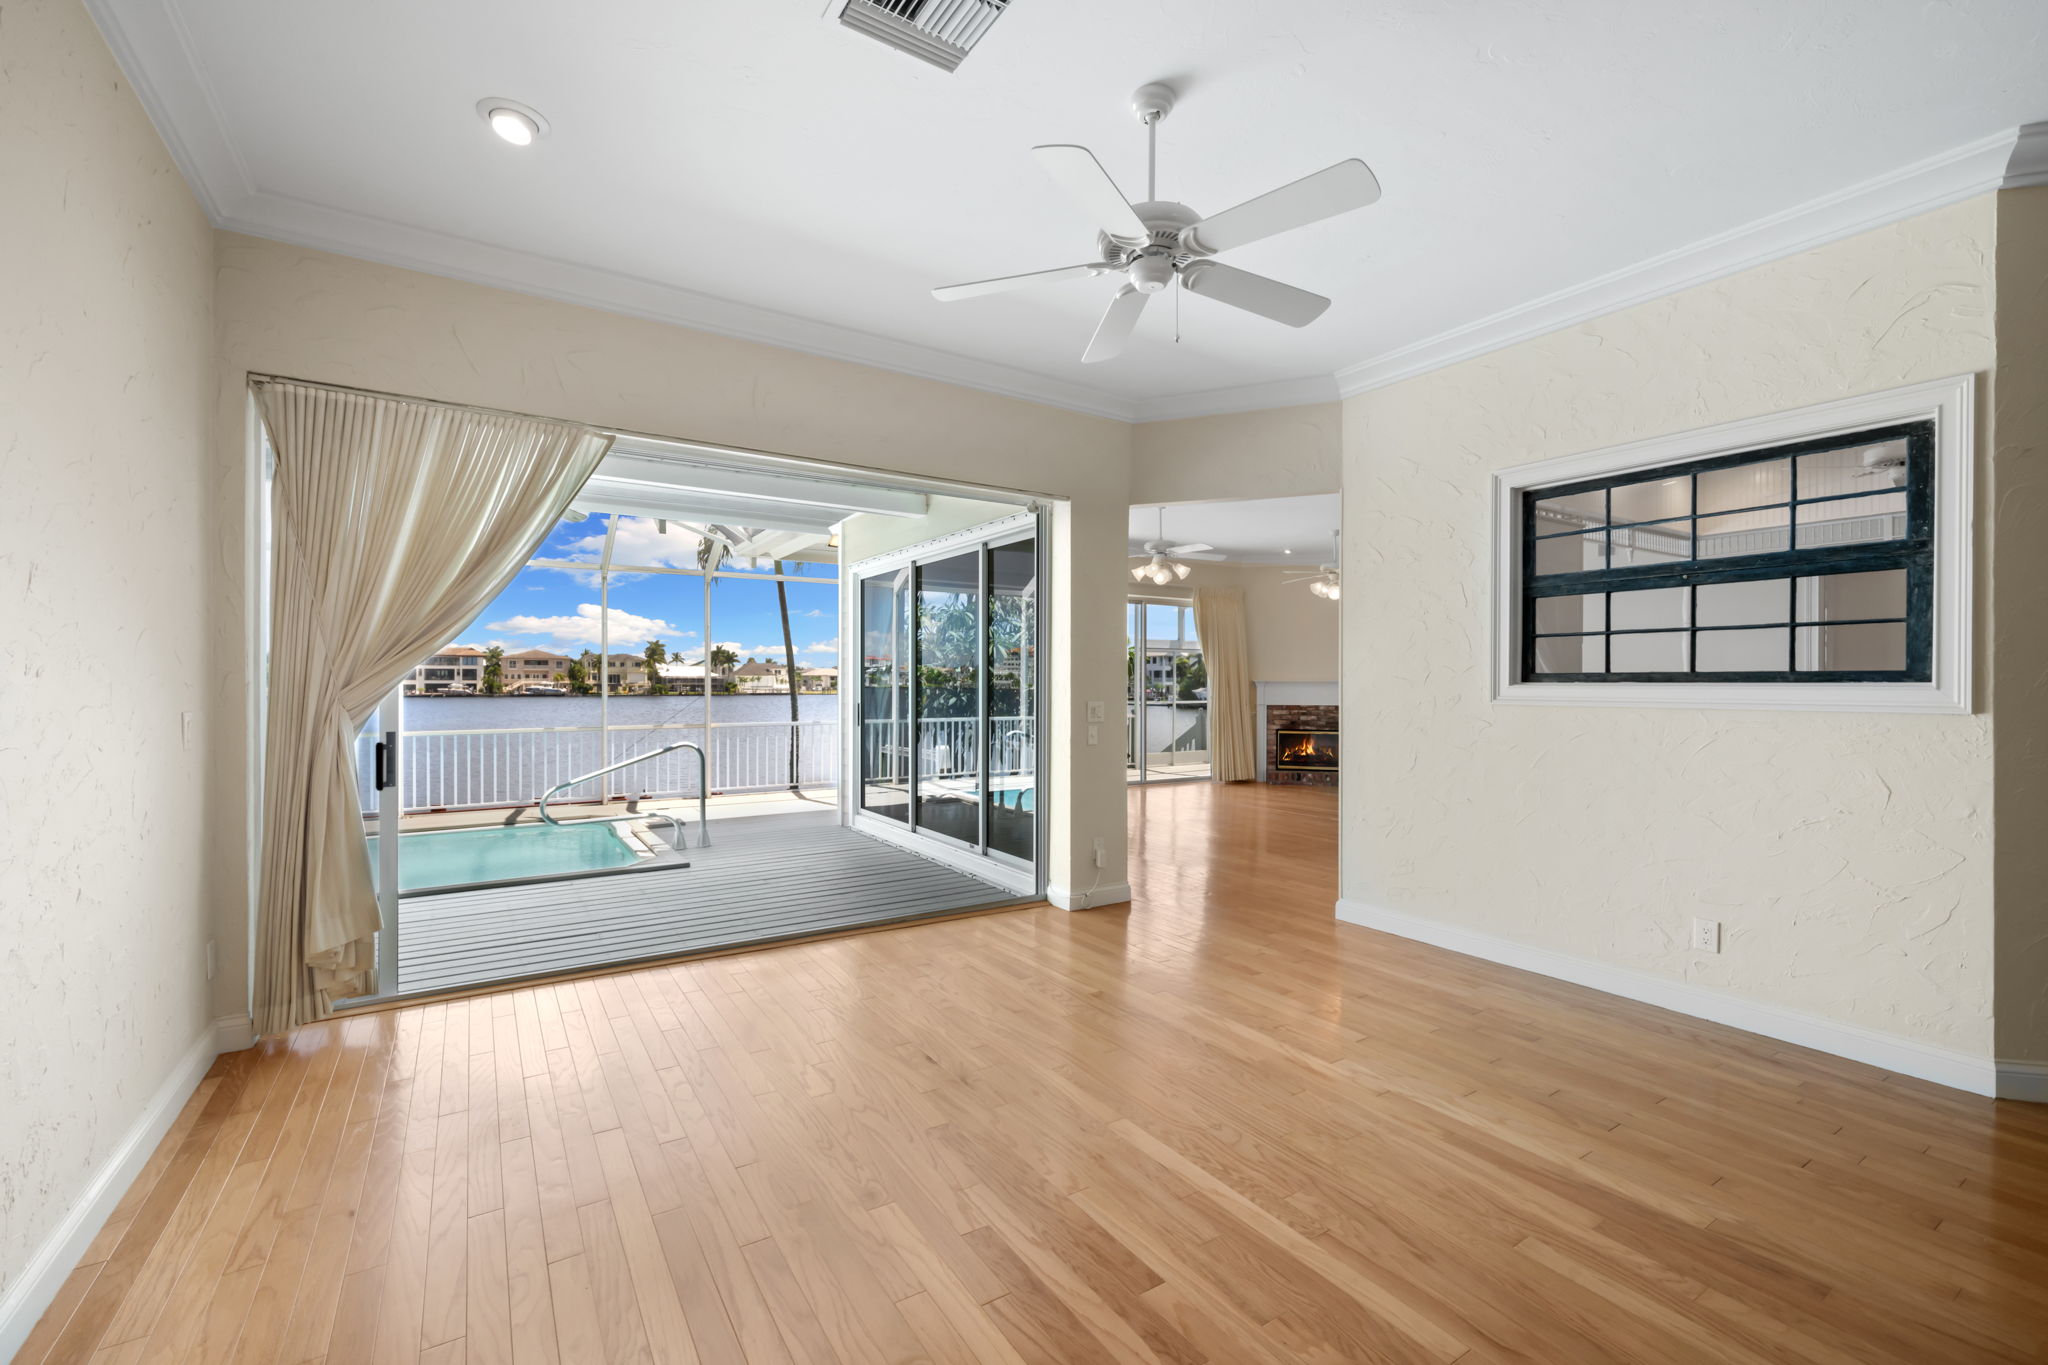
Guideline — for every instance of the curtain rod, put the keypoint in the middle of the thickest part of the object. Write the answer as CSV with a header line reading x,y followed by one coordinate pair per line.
x,y
805,463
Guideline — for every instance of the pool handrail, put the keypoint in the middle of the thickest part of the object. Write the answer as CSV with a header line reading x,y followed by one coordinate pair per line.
x,y
703,788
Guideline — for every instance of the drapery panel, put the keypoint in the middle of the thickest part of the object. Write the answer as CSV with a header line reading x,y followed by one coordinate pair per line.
x,y
1233,718
394,522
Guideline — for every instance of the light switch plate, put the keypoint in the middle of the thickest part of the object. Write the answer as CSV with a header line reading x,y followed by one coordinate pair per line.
x,y
1094,713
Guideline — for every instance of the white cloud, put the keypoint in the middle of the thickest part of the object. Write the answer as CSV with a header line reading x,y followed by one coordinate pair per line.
x,y
583,627
638,542
822,647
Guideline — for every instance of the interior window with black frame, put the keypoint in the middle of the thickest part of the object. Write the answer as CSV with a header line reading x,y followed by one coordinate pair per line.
x,y
1808,562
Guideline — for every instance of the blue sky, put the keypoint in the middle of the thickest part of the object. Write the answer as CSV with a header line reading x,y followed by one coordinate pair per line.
x,y
558,609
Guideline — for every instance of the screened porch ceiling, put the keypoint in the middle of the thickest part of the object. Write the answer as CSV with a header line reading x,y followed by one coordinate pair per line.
x,y
759,512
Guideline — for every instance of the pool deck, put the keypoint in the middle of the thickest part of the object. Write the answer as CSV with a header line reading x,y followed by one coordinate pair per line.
x,y
763,878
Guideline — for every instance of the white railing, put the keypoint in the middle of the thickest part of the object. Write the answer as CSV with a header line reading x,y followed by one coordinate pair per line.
x,y
946,748
473,769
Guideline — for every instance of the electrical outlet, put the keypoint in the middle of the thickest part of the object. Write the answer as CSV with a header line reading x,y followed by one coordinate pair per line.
x,y
212,960
1101,853
1706,935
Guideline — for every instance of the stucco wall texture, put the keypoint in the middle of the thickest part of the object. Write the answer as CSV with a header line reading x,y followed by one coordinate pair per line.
x,y
1848,857
105,398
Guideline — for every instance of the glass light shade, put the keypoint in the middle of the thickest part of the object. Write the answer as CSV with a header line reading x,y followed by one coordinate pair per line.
x,y
1180,570
1334,592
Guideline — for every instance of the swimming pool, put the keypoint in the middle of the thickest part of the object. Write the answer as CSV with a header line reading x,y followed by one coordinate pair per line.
x,y
456,857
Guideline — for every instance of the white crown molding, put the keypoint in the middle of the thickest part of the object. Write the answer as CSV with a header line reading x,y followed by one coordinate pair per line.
x,y
1277,393
300,223
1889,1052
2028,165
150,42
1975,168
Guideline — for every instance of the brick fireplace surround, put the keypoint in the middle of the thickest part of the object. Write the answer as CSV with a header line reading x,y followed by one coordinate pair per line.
x,y
1280,718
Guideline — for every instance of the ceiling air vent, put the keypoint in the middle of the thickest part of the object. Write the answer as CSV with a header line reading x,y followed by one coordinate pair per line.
x,y
941,32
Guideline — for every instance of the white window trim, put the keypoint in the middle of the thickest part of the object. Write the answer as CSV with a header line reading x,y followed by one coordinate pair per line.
x,y
1950,403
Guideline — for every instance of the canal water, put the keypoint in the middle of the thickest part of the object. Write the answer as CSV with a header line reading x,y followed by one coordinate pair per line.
x,y
519,713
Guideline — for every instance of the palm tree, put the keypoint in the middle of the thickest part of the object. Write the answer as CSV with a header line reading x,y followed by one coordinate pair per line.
x,y
494,671
654,656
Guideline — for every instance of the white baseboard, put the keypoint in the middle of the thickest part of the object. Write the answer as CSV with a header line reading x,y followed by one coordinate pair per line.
x,y
233,1032
37,1284
1978,1075
2023,1081
1067,898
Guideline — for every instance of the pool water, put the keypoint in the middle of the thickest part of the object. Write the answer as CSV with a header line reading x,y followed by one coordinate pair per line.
x,y
456,857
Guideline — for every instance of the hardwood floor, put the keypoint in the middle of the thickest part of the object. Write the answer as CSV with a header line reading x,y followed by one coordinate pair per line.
x,y
1213,1126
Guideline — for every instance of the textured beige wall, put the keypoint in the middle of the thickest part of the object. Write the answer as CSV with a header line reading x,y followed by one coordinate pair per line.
x,y
1847,856
105,402
2019,656
1272,453
1291,632
312,315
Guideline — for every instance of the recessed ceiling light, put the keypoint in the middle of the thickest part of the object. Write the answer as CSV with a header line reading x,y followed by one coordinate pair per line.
x,y
519,124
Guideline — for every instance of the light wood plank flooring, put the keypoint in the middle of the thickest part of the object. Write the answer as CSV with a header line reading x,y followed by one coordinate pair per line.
x,y
1215,1126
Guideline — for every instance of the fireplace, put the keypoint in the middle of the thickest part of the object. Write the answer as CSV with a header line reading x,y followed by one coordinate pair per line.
x,y
1301,745
1305,751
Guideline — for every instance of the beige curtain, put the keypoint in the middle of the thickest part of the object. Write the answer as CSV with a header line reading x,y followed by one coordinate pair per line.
x,y
1233,719
393,524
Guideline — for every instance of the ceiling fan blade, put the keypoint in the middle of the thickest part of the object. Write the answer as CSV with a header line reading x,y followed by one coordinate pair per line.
x,y
1253,293
1333,190
1118,321
1197,555
947,293
1192,548
1076,171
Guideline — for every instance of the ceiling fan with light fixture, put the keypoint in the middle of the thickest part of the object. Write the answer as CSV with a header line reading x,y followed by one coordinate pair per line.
x,y
1154,243
1326,581
1161,563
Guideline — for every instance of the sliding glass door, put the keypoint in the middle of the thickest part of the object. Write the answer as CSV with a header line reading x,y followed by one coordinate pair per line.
x,y
1167,737
948,708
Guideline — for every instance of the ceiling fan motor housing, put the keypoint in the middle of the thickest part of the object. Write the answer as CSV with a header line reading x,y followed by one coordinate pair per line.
x,y
1151,263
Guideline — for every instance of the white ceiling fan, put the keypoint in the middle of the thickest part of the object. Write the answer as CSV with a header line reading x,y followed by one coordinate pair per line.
x,y
1158,241
1162,561
1326,581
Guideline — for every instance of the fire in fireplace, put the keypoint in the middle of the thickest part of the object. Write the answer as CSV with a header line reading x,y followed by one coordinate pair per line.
x,y
1306,750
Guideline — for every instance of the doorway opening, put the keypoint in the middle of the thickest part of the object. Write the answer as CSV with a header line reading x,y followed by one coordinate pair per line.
x,y
950,701
1166,734
637,749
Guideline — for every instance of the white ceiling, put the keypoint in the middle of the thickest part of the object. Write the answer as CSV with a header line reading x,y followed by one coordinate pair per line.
x,y
755,168
1254,531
